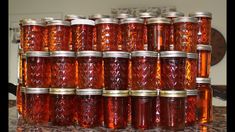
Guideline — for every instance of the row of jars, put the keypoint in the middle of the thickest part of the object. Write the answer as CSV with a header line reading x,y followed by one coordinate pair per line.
x,y
173,31
91,108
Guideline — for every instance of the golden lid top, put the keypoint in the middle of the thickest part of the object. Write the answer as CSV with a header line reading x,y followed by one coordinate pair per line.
x,y
172,93
115,93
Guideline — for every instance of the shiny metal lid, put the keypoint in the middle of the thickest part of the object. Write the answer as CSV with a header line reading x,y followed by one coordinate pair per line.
x,y
132,20
23,89
185,19
73,16
191,92
98,16
47,19
29,21
144,54
106,20
203,80
145,15
115,93
158,20
173,54
23,55
192,55
173,93
62,54
64,91
122,15
89,54
82,22
114,54
37,54
89,91
36,90
58,22
204,47
200,14
143,93
172,14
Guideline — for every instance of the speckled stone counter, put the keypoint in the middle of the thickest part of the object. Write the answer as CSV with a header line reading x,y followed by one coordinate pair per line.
x,y
218,125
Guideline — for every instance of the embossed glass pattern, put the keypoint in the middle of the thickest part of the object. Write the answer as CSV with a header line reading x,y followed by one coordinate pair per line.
x,y
190,108
24,71
19,99
190,73
157,112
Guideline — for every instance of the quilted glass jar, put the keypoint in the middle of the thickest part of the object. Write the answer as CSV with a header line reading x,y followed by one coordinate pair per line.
x,y
190,107
204,60
45,20
191,70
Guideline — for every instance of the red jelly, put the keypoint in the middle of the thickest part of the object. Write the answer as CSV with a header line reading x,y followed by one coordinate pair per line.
x,y
63,69
157,108
173,70
190,107
89,69
116,70
38,69
115,109
191,71
45,20
204,60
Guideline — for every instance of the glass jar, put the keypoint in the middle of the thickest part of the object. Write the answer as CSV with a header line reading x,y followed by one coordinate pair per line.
x,y
171,16
24,70
132,34
145,16
89,70
144,70
190,107
185,34
115,110
204,100
19,99
38,69
21,34
32,35
173,70
191,70
116,70
37,106
62,106
204,27
157,108
45,20
59,31
82,34
107,30
172,107
19,65
158,33
89,105
143,104
63,69
204,60
158,73
23,94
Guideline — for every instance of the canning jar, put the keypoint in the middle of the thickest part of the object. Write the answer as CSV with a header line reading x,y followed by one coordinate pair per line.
x,y
45,21
144,70
204,60
173,70
38,69
158,73
190,107
158,33
157,108
19,95
23,94
145,16
63,69
116,70
191,70
21,34
89,69
19,65
24,70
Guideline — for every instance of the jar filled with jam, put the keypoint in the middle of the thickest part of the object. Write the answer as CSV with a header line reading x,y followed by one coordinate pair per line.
x,y
204,100
158,33
38,69
19,99
115,108
89,69
19,65
143,109
190,107
37,106
62,103
132,34
89,103
24,70
45,21
158,73
172,107
204,27
144,70
173,70
185,34
191,70
21,34
59,31
116,70
157,108
204,60
32,35
82,34
23,90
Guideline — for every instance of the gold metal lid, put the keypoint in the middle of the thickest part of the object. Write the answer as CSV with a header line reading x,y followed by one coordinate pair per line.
x,y
89,91
158,20
23,89
143,93
36,90
37,54
64,91
62,54
172,93
192,55
204,47
191,92
144,54
58,22
203,80
116,54
89,54
173,54
29,22
115,93
83,22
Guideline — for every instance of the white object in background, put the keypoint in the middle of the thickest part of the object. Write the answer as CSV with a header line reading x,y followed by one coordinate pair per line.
x,y
218,102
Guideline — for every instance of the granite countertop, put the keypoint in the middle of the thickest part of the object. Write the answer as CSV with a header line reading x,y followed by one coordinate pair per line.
x,y
218,125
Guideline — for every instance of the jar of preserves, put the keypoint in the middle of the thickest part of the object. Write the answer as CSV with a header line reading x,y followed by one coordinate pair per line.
x,y
144,64
37,106
38,69
173,70
185,34
204,100
23,90
204,27
204,60
89,105
82,34
62,106
45,21
172,107
21,34
116,70
107,30
20,65
32,35
157,108
19,100
191,70
115,110
132,34
89,69
158,73
190,107
143,109
63,69
59,31
158,33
